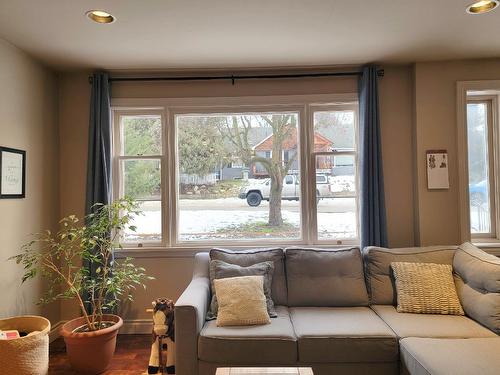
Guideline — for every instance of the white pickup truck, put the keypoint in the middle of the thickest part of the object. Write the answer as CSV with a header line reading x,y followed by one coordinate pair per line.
x,y
256,192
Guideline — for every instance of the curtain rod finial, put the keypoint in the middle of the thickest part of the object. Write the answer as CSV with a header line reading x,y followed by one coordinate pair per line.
x,y
380,72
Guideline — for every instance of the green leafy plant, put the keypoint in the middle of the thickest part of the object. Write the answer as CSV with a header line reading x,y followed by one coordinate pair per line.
x,y
58,257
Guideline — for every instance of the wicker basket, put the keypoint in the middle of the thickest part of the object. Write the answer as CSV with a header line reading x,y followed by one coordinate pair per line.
x,y
27,355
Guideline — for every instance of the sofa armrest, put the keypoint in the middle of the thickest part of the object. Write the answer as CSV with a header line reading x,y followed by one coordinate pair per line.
x,y
190,312
478,285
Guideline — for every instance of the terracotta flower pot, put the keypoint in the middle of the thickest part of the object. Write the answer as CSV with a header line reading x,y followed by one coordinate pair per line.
x,y
91,352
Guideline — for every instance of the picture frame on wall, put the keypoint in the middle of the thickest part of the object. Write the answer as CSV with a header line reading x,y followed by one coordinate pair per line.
x,y
437,170
12,173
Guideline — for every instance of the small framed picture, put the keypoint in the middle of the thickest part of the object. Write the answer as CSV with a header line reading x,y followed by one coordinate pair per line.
x,y
12,173
437,169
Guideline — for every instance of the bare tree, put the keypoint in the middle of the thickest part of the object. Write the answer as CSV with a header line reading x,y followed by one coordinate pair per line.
x,y
236,131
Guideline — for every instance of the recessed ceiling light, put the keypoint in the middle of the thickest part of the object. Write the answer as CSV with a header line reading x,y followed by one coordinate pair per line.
x,y
100,16
482,6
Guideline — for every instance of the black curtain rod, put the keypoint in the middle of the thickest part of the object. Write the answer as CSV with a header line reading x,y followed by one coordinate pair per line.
x,y
233,77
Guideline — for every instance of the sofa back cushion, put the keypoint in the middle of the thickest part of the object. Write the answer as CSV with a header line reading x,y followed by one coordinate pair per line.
x,y
247,258
318,277
478,285
379,278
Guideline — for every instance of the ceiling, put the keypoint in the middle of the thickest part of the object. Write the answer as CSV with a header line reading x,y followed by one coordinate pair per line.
x,y
204,34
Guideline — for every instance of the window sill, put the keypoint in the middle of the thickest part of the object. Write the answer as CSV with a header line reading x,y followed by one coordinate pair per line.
x,y
490,245
189,252
158,252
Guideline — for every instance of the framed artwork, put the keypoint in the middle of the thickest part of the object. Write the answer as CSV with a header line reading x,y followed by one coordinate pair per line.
x,y
437,169
12,173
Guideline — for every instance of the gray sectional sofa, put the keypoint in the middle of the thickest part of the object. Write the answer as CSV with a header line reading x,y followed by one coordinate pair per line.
x,y
336,313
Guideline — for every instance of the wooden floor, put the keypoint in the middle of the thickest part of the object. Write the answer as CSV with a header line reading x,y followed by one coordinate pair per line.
x,y
131,357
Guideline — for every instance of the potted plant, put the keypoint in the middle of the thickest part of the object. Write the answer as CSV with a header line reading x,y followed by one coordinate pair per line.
x,y
65,259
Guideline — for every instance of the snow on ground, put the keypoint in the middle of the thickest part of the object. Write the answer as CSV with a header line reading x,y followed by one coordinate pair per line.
x,y
342,183
205,219
480,220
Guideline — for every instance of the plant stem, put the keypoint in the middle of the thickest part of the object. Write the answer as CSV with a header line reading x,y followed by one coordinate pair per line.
x,y
52,266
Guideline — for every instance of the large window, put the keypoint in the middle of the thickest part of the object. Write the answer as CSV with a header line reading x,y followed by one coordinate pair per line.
x,y
481,135
209,175
261,201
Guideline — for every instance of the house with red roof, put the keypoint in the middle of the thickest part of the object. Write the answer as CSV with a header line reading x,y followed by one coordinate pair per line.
x,y
289,150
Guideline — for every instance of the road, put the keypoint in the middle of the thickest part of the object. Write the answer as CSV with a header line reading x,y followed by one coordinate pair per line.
x,y
325,205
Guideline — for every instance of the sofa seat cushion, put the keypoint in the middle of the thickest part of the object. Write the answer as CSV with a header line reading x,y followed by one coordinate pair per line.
x,y
424,356
342,334
431,325
266,344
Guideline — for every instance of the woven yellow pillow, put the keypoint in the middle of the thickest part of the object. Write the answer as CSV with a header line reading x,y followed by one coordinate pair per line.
x,y
426,288
241,301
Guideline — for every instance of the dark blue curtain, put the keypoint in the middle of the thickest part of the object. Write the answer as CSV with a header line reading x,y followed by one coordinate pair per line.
x,y
99,151
372,201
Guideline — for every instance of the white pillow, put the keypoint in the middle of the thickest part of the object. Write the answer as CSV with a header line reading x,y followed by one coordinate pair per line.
x,y
241,301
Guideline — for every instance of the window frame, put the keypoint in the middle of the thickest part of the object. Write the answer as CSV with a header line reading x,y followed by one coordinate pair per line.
x,y
465,89
169,108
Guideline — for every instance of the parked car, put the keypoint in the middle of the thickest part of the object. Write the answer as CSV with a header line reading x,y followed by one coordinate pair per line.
x,y
257,192
478,192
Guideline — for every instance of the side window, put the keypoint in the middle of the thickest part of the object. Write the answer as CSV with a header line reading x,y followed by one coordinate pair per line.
x,y
138,166
289,180
337,205
481,151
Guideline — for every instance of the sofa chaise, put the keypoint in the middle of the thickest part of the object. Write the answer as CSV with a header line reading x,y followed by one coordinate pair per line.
x,y
336,313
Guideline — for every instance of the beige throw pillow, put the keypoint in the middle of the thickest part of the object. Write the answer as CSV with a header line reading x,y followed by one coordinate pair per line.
x,y
241,301
426,288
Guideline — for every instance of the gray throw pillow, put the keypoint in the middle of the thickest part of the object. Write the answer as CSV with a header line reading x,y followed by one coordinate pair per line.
x,y
248,257
223,270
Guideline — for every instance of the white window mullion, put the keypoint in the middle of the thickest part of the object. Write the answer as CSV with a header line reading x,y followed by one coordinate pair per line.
x,y
308,211
171,182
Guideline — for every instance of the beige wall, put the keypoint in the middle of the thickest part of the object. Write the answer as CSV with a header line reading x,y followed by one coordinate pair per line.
x,y
28,121
173,273
74,104
226,89
436,128
396,123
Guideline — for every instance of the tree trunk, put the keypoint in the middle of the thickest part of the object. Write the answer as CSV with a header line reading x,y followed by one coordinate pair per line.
x,y
275,217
